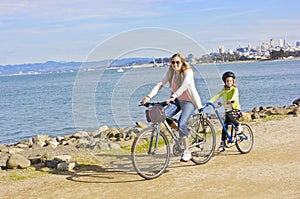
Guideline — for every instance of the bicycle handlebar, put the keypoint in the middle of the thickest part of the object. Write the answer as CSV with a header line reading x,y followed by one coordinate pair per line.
x,y
164,103
211,104
208,104
147,104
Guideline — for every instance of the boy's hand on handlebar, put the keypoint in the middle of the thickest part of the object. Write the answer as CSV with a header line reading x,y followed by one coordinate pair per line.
x,y
230,101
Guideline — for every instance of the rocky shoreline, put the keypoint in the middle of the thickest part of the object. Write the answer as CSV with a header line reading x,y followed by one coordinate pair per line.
x,y
56,152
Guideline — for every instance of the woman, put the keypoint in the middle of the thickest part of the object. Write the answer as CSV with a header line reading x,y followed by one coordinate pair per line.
x,y
184,96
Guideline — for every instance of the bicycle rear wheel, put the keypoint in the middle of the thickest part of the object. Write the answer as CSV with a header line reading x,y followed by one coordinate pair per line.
x,y
244,141
150,153
204,143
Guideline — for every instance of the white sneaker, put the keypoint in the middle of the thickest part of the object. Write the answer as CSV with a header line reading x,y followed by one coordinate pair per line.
x,y
239,129
221,147
186,156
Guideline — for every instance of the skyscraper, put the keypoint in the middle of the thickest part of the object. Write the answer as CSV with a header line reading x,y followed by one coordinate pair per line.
x,y
281,43
272,43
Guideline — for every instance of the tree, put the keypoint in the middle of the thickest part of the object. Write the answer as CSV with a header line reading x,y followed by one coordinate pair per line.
x,y
277,54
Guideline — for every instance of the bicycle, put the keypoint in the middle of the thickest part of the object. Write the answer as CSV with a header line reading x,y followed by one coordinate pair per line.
x,y
243,141
151,150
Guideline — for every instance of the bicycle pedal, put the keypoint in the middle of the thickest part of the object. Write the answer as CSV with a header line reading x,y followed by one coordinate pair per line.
x,y
198,140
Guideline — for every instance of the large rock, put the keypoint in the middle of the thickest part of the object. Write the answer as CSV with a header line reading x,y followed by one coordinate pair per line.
x,y
80,134
66,166
52,142
3,159
86,142
100,131
296,111
246,117
17,161
280,110
110,133
4,149
141,125
297,101
255,110
255,115
14,150
63,158
51,163
131,133
40,140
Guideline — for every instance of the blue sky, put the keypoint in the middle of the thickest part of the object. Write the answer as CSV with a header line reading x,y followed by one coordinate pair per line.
x,y
37,31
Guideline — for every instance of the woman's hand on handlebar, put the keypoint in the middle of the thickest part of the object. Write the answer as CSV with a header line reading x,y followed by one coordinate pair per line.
x,y
145,100
170,101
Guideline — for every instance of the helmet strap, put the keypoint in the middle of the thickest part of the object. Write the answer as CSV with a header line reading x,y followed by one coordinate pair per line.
x,y
226,86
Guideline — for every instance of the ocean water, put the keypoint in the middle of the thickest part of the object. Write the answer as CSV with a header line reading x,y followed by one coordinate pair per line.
x,y
63,103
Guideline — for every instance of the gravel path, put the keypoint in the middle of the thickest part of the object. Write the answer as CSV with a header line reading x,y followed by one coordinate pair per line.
x,y
270,170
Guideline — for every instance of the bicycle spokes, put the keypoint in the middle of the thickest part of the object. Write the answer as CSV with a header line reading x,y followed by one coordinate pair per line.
x,y
245,140
150,153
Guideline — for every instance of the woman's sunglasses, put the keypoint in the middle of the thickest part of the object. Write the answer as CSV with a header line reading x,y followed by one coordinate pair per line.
x,y
177,62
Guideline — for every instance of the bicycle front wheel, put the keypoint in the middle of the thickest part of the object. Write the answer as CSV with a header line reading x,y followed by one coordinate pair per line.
x,y
244,141
150,153
203,141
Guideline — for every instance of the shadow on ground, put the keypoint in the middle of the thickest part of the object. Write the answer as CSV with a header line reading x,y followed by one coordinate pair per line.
x,y
116,167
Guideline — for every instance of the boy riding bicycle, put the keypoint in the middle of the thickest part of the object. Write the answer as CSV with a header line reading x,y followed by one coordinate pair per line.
x,y
230,96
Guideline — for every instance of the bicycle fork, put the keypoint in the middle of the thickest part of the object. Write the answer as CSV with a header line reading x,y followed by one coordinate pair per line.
x,y
154,134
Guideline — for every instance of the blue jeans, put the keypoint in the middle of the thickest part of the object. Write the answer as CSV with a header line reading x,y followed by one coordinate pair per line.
x,y
187,109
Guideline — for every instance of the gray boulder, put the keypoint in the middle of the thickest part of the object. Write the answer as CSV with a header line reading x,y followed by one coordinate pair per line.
x,y
17,161
66,166
51,163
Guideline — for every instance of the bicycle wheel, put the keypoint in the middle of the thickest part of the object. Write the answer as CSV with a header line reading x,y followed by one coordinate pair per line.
x,y
150,153
203,139
244,141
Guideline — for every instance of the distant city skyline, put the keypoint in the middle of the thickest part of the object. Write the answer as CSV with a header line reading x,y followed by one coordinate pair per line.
x,y
272,43
38,31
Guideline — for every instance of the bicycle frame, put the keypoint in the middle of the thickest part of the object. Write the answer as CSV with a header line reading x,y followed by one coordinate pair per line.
x,y
155,125
224,126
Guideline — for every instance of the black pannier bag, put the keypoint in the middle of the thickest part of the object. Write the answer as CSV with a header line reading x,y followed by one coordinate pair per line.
x,y
156,113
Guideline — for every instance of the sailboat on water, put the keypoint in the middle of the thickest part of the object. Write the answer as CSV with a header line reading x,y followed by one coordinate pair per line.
x,y
120,70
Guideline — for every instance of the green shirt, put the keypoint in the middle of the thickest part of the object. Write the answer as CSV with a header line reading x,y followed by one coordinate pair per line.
x,y
230,94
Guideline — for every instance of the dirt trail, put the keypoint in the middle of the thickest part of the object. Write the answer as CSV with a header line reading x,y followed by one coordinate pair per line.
x,y
270,170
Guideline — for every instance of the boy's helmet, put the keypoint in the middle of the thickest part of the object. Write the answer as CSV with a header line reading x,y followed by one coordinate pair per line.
x,y
228,74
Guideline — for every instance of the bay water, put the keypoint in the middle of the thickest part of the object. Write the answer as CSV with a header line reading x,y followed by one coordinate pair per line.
x,y
63,103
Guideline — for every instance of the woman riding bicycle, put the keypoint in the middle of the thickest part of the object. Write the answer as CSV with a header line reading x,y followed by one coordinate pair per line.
x,y
184,96
230,95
